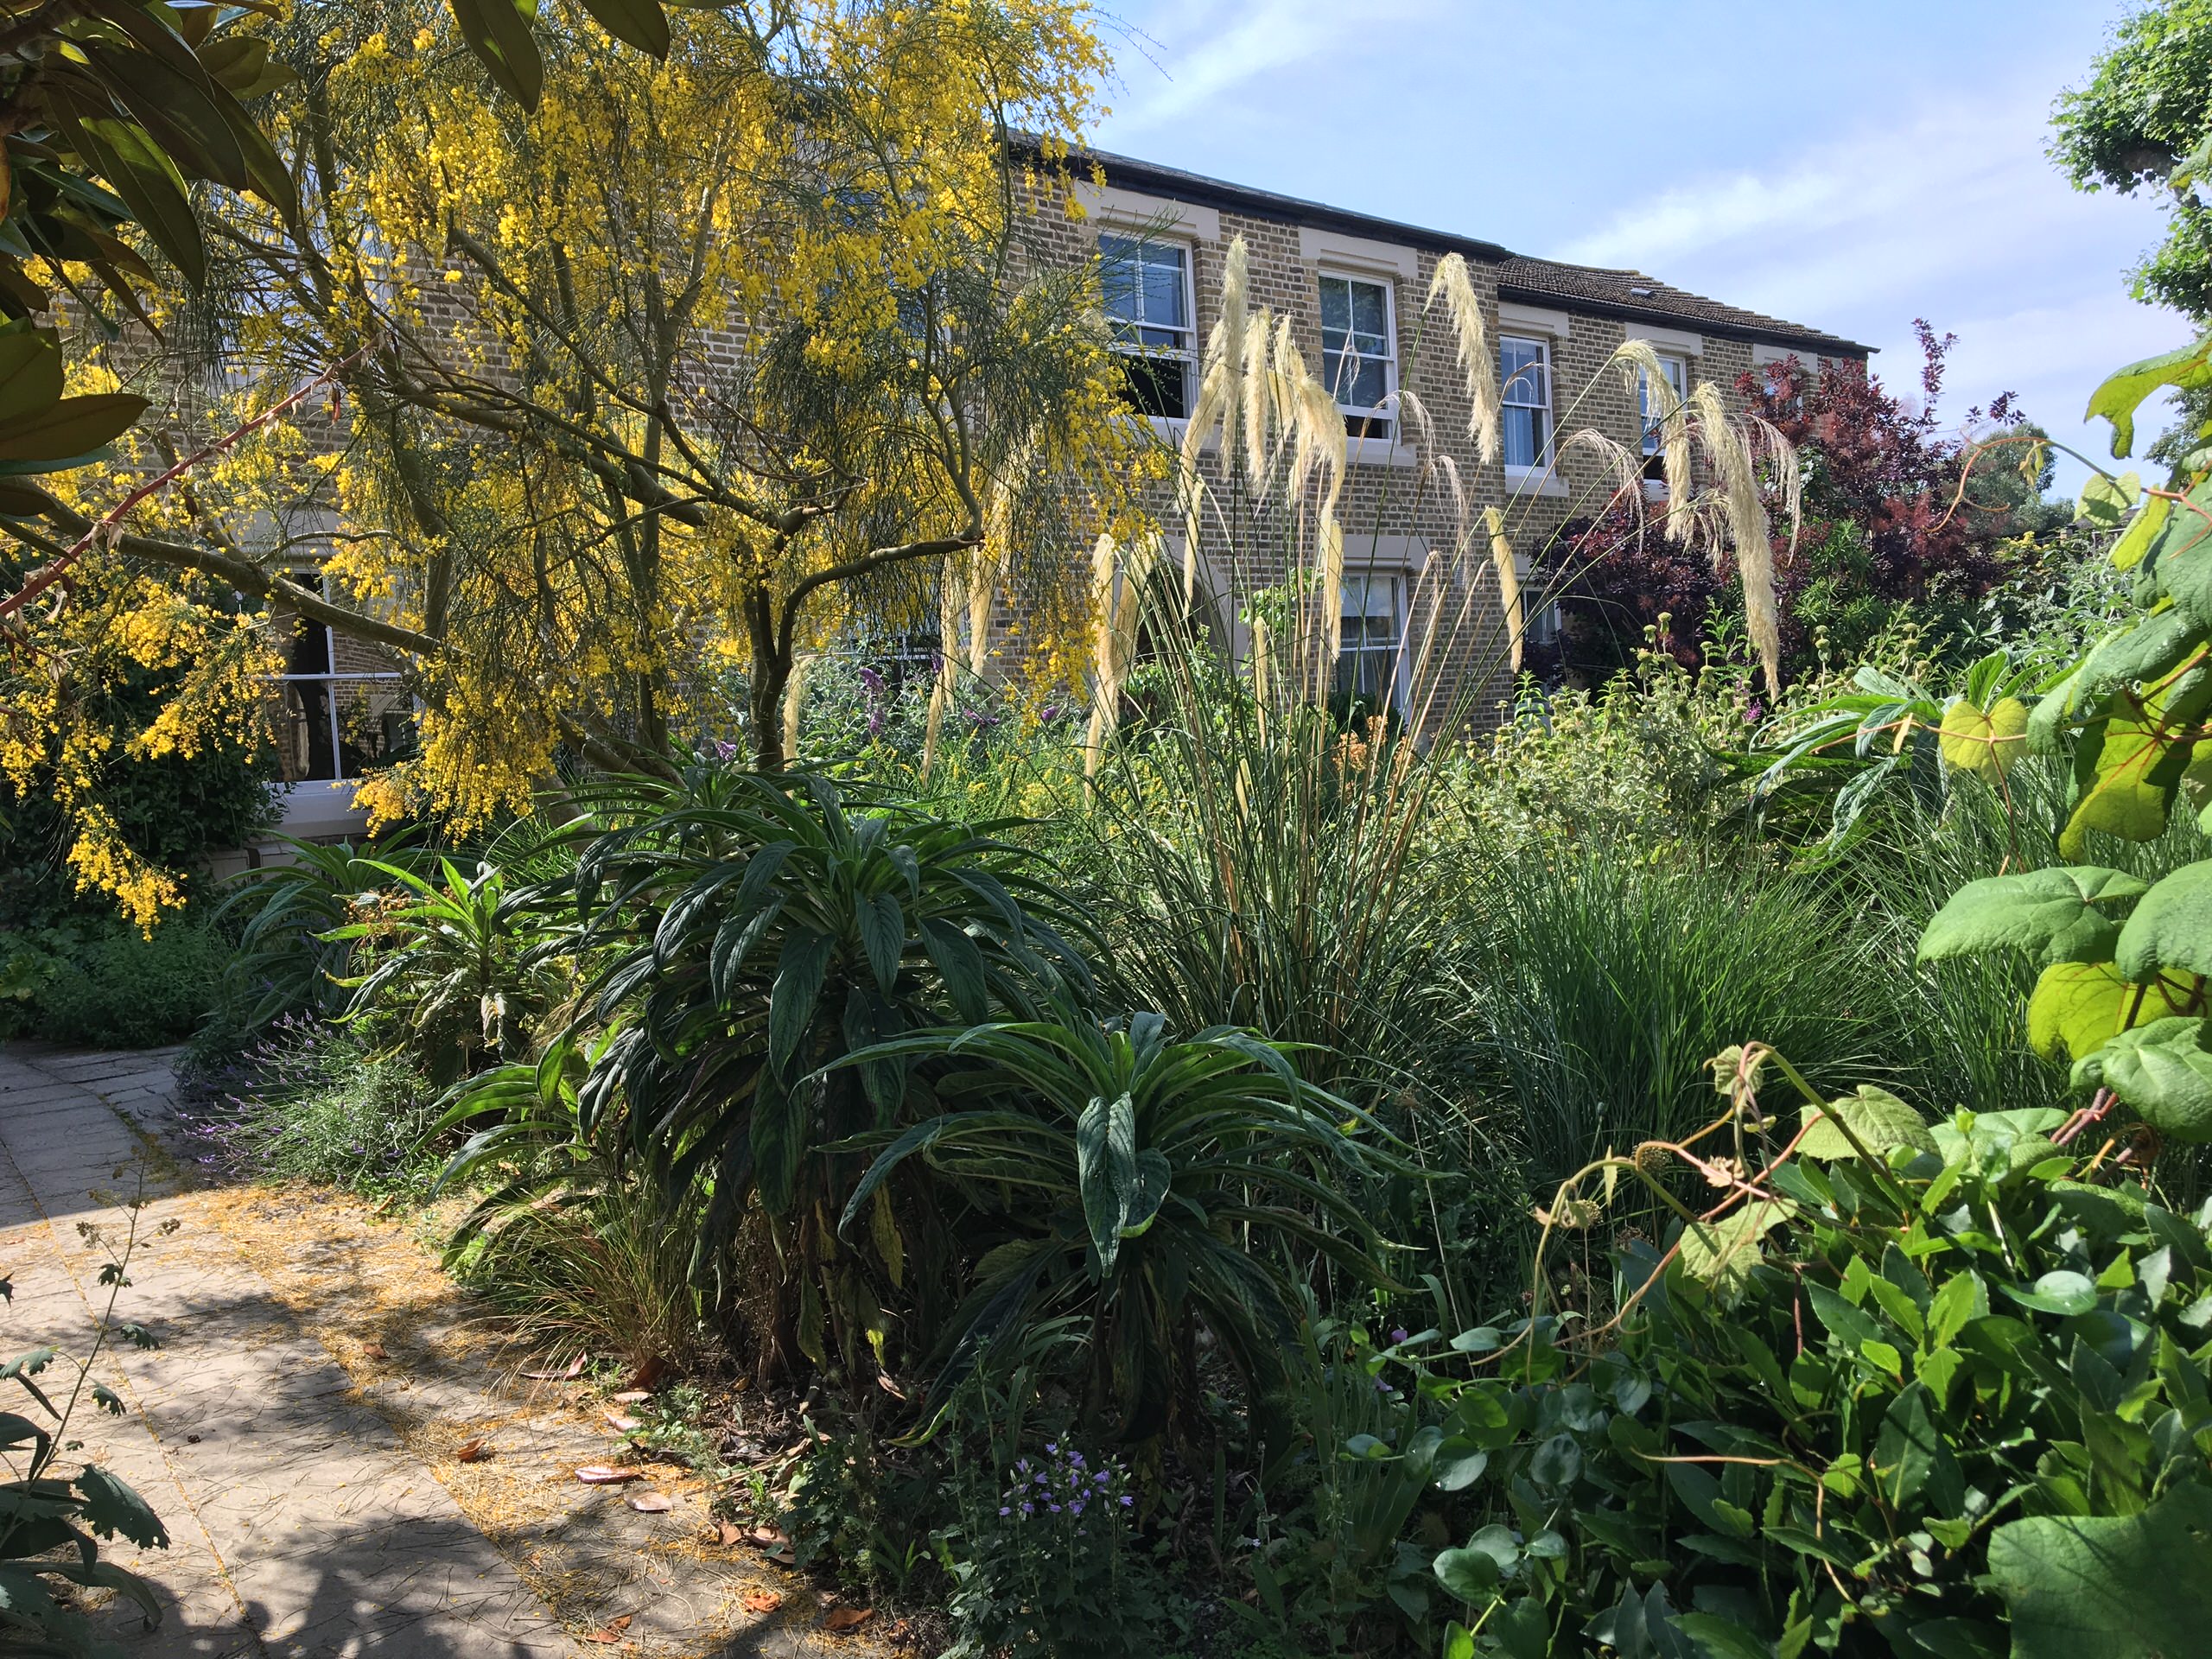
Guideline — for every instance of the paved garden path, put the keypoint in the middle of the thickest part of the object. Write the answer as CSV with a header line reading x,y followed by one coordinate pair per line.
x,y
303,1521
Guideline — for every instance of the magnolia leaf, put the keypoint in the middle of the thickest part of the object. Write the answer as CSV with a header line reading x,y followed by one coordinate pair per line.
x,y
30,375
2077,1006
2123,393
1988,743
1722,1253
640,23
2109,1586
2054,912
75,426
2106,502
2161,1072
2171,927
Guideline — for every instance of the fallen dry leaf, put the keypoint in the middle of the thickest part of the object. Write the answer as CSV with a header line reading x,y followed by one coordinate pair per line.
x,y
611,1632
599,1474
652,1502
623,1425
727,1533
471,1451
647,1376
632,1397
847,1618
761,1601
575,1369
766,1537
376,1351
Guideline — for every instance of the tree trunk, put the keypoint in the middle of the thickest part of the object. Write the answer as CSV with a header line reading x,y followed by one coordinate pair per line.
x,y
772,674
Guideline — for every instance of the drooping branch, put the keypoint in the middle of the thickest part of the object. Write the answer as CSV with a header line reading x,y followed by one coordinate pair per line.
x,y
241,575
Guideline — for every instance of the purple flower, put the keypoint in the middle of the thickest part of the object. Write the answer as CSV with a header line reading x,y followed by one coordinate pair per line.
x,y
1075,1460
1004,1510
1398,1335
1127,1500
725,751
1029,1509
1076,1508
1053,1447
873,681
1099,1479
1054,1508
1022,1465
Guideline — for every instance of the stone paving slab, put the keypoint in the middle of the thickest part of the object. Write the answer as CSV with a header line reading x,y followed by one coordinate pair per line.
x,y
300,1527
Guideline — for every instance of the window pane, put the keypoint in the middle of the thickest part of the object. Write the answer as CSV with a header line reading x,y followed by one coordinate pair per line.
x,y
1163,287
1359,382
1518,430
1117,277
1336,306
1157,385
1521,372
1370,312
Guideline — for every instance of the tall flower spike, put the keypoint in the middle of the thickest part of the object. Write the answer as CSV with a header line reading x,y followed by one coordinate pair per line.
x,y
1252,368
1464,307
1729,448
795,702
1508,582
1641,366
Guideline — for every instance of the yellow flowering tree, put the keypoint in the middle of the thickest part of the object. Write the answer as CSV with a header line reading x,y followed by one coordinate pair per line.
x,y
581,408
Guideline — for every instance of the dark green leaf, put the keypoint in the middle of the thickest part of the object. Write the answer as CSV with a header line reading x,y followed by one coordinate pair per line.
x,y
2137,1586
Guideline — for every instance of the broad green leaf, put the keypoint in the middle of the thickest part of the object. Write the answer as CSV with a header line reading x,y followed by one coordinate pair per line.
x,y
800,969
1722,1253
2136,1586
2061,1291
2161,1072
883,936
30,374
2122,392
496,33
640,23
1910,1459
2170,927
113,1510
2127,552
1722,1638
2076,1007
1471,1574
2178,561
2106,501
2056,913
1876,1118
73,427
1987,744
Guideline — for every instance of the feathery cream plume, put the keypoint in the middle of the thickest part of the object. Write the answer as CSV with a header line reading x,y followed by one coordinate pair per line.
x,y
1624,464
1641,367
1508,582
1253,369
1120,609
1464,307
948,629
1730,450
795,702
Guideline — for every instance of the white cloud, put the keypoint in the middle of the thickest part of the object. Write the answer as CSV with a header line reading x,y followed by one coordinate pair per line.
x,y
1952,213
1217,48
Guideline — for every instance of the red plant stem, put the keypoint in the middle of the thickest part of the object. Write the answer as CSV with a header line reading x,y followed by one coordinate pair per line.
x,y
43,579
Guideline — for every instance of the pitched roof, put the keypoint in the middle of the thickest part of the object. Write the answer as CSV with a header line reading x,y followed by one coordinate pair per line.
x,y
1628,295
1636,297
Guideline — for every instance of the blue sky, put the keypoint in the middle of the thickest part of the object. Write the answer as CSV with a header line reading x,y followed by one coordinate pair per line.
x,y
1848,165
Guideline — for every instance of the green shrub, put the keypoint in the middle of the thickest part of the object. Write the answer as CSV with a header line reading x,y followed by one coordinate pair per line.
x,y
1884,1396
101,984
307,1102
1603,978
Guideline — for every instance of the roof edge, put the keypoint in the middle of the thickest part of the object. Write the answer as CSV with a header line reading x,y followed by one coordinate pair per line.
x,y
1832,346
1201,191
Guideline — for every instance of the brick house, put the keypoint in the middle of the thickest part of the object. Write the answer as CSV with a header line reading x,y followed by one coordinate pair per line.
x,y
1355,285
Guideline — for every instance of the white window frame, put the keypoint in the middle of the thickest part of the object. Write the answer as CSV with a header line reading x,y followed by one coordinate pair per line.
x,y
1649,427
330,680
1386,412
1187,355
1392,653
1542,458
